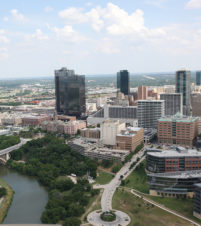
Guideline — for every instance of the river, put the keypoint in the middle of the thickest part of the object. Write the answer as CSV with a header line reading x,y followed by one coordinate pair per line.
x,y
29,199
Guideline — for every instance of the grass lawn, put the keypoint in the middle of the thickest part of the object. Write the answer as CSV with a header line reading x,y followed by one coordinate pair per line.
x,y
138,179
142,213
182,206
103,177
4,206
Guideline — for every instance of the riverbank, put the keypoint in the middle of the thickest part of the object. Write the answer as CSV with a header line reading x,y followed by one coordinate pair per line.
x,y
6,201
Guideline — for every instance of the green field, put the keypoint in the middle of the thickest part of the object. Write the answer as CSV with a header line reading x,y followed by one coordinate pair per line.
x,y
103,177
138,179
182,206
142,213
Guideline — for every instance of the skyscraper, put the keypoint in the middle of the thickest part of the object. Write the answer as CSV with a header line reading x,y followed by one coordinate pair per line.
x,y
123,82
198,78
183,86
70,92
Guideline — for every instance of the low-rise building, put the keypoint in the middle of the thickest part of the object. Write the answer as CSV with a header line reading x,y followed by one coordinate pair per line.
x,y
34,120
96,151
178,129
174,159
90,133
174,184
130,138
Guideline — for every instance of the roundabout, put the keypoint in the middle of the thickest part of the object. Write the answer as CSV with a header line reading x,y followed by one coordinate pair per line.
x,y
121,218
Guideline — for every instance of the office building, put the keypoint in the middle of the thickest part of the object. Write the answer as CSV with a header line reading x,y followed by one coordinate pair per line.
x,y
70,92
173,159
123,82
90,133
34,120
197,201
198,78
196,104
109,131
174,184
130,138
142,93
173,103
183,85
149,111
125,114
178,129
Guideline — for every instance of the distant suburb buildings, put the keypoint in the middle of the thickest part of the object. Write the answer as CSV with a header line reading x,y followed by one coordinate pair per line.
x,y
123,82
178,130
70,92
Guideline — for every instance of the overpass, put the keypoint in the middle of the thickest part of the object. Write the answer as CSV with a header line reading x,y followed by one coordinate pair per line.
x,y
4,154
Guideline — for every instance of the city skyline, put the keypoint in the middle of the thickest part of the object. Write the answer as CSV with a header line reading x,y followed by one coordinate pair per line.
x,y
98,38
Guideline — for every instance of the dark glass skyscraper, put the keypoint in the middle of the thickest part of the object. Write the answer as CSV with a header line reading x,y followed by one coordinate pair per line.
x,y
198,78
123,82
70,92
183,85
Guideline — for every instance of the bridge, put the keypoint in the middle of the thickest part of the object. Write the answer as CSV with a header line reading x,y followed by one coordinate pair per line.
x,y
4,154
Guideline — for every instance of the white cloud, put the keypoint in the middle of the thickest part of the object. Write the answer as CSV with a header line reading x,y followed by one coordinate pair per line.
x,y
108,47
193,4
48,9
68,34
5,19
17,16
73,15
39,35
3,53
3,37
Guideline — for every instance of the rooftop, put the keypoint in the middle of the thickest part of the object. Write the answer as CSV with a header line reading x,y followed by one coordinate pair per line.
x,y
178,118
177,152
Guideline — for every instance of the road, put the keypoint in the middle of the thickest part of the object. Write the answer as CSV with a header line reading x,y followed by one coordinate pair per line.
x,y
106,200
12,148
109,190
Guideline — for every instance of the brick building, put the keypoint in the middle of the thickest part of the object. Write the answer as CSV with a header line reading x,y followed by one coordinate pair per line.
x,y
130,138
35,120
178,129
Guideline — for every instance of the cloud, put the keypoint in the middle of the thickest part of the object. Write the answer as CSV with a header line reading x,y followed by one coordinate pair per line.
x,y
108,47
3,37
68,34
48,9
5,19
73,15
3,53
193,4
39,35
17,16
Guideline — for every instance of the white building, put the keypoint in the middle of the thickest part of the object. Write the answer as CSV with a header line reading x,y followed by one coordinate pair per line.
x,y
109,131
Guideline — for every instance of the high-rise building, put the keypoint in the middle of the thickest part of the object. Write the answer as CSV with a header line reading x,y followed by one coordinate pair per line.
x,y
149,111
178,129
195,103
198,78
183,86
70,92
123,82
173,103
142,93
197,201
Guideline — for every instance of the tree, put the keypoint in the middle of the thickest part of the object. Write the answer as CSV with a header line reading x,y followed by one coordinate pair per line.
x,y
3,192
72,221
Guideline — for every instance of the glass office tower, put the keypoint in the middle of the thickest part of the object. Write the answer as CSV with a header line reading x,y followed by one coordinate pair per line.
x,y
183,85
123,82
70,92
198,78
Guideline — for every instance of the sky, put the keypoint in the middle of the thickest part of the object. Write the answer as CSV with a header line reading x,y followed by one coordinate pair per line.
x,y
98,37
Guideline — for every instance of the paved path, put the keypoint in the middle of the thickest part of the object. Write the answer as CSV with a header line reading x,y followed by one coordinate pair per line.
x,y
109,190
164,208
